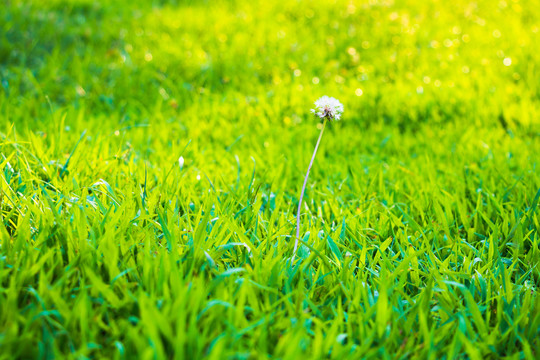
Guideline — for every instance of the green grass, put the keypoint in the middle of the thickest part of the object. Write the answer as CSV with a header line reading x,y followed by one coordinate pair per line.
x,y
421,215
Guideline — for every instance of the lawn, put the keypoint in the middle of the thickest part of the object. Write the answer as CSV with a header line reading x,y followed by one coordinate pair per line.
x,y
152,155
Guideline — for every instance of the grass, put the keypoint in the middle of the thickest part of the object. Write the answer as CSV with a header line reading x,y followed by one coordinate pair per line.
x,y
420,225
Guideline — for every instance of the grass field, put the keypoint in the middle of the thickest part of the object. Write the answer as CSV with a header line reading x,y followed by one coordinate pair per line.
x,y
153,152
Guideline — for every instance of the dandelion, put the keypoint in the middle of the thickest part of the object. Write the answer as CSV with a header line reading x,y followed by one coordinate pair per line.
x,y
326,109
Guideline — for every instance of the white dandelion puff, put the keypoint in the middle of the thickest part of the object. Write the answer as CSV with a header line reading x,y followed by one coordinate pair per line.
x,y
328,108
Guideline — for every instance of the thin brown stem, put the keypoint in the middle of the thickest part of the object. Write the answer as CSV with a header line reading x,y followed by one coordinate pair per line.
x,y
302,193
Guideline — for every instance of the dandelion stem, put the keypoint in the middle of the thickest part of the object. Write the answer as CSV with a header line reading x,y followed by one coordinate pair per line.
x,y
302,193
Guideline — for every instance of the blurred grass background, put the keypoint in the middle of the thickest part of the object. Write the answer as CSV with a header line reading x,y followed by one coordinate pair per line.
x,y
427,191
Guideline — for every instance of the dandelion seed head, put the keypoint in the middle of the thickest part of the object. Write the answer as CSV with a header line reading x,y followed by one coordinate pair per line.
x,y
328,108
